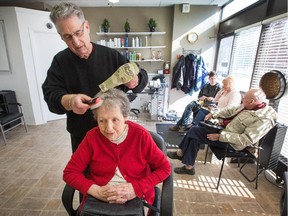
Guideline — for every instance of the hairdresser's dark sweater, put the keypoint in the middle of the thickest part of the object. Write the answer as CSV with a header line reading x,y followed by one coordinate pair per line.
x,y
69,74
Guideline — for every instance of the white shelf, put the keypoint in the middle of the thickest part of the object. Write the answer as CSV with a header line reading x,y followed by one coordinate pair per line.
x,y
129,33
148,60
145,47
130,48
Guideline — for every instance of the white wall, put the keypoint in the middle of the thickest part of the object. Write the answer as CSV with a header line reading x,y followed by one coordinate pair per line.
x,y
26,77
204,21
16,79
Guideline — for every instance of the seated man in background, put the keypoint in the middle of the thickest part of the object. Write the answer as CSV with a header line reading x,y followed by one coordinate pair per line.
x,y
228,96
243,125
208,92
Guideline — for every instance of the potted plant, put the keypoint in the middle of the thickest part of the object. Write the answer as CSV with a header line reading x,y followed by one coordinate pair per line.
x,y
127,26
152,24
105,25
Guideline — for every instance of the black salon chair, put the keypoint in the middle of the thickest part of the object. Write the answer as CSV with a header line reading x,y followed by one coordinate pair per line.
x,y
132,96
11,116
163,197
261,149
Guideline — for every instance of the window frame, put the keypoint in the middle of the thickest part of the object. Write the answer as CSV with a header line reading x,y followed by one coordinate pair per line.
x,y
283,103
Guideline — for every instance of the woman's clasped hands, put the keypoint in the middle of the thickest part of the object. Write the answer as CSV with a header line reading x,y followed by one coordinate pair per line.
x,y
119,194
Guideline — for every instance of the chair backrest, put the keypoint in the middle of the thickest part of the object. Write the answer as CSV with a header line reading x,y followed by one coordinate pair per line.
x,y
158,139
3,105
242,93
164,202
131,96
7,101
1,109
271,144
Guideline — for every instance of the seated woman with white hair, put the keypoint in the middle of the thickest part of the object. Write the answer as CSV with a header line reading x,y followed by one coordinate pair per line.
x,y
228,96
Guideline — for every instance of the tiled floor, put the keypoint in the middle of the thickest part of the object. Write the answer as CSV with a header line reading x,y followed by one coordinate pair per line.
x,y
31,183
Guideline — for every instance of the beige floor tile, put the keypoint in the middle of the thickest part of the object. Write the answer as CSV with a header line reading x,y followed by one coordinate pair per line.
x,y
31,166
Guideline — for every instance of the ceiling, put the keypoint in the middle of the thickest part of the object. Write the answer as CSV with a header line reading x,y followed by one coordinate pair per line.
x,y
127,3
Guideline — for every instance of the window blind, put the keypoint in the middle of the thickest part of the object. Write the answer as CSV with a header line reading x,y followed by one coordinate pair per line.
x,y
223,59
273,55
243,56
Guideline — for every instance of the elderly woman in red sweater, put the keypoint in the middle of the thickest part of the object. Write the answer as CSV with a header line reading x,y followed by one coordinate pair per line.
x,y
124,161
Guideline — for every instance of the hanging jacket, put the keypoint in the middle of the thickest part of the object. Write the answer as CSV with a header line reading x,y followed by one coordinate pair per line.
x,y
178,74
201,74
189,76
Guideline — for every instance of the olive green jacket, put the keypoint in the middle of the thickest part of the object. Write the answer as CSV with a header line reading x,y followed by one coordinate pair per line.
x,y
247,127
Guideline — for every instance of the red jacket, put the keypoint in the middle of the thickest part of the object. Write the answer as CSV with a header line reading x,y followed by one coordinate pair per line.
x,y
135,157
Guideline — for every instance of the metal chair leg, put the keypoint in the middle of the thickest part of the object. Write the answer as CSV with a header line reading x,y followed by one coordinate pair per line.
x,y
257,173
4,138
24,122
257,170
220,174
206,154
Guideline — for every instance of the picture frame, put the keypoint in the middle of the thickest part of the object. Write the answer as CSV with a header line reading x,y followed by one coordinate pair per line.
x,y
4,57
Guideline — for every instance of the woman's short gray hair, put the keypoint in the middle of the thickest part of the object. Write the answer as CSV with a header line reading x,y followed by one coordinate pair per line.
x,y
114,98
65,10
230,79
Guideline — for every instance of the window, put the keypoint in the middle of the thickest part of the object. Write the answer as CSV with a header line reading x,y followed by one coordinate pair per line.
x,y
243,56
223,60
235,6
272,55
254,54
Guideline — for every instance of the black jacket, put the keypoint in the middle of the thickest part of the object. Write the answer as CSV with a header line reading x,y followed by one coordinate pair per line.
x,y
178,74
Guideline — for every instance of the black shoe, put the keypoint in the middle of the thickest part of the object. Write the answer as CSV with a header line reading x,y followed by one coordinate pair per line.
x,y
174,128
185,129
173,155
183,170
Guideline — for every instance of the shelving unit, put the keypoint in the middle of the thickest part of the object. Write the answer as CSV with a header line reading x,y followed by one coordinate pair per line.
x,y
143,47
130,48
129,33
155,60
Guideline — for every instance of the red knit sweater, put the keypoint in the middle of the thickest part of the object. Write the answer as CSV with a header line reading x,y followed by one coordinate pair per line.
x,y
136,156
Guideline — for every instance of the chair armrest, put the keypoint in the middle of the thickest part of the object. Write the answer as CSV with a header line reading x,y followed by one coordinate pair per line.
x,y
13,103
167,195
255,146
67,200
10,103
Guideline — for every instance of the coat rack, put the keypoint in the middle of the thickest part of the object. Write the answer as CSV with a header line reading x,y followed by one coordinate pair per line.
x,y
194,52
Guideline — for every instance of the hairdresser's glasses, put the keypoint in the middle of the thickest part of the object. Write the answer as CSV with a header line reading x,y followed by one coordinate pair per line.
x,y
78,34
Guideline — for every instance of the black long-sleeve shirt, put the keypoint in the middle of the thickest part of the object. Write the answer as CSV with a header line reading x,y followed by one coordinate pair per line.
x,y
209,91
69,74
